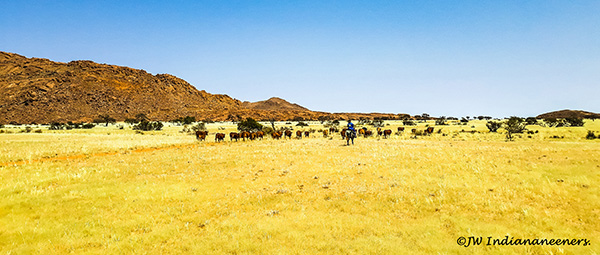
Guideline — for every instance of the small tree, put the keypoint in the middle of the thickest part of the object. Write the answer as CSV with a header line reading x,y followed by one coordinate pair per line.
x,y
514,125
493,126
590,135
249,125
531,121
302,124
148,126
574,122
199,127
188,120
441,121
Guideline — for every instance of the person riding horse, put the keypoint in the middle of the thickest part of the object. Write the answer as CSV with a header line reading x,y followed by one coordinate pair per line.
x,y
350,133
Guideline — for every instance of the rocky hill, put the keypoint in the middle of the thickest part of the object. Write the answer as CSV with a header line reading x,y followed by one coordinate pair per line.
x,y
274,104
35,90
569,114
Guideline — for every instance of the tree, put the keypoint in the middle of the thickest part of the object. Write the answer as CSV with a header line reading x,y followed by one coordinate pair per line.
x,y
574,122
514,125
531,121
493,126
249,125
148,126
188,120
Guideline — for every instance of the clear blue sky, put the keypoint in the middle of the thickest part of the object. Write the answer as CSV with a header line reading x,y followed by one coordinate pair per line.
x,y
444,58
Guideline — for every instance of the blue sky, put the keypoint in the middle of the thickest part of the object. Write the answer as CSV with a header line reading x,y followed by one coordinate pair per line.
x,y
444,58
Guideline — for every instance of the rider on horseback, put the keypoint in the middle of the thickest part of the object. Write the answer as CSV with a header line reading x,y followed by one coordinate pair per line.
x,y
352,132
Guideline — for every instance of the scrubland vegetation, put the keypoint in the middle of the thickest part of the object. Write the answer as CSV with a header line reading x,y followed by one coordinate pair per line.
x,y
111,190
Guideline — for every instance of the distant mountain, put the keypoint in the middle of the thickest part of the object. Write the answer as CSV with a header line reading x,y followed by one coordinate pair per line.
x,y
569,114
274,104
36,90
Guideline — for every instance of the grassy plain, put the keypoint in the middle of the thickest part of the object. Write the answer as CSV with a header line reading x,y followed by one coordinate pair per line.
x,y
106,190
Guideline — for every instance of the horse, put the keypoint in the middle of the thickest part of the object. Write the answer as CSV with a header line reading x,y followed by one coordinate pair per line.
x,y
350,135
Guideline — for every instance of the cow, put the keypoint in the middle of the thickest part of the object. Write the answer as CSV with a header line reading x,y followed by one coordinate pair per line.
x,y
400,129
253,136
429,130
306,134
379,132
325,134
260,134
219,137
244,135
362,131
276,135
387,133
288,134
299,134
201,135
368,133
234,135
414,130
343,133
332,130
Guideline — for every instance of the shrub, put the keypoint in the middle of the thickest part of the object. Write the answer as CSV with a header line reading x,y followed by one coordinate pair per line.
x,y
493,126
441,121
148,126
514,125
574,122
268,130
56,126
590,135
199,127
531,121
408,123
249,125
87,125
302,124
377,123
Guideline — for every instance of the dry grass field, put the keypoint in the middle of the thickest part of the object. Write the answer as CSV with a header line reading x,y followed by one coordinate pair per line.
x,y
107,190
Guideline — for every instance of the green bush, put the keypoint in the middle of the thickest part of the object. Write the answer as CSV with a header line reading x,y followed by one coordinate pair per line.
x,y
493,126
148,126
249,125
574,122
514,125
590,135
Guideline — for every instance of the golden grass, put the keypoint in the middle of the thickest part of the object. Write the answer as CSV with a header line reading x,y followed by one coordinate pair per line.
x,y
309,196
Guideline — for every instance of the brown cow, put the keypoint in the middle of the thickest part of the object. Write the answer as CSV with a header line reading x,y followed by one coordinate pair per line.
x,y
234,135
244,135
201,135
276,135
414,130
219,137
306,134
288,134
429,130
362,132
260,134
368,133
400,129
299,134
253,136
325,133
387,133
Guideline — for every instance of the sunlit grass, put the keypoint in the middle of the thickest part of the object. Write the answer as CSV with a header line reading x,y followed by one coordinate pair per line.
x,y
311,196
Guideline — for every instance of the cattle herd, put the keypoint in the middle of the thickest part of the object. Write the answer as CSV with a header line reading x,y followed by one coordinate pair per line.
x,y
245,135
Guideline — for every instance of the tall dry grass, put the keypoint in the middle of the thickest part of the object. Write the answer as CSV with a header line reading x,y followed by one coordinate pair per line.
x,y
311,196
